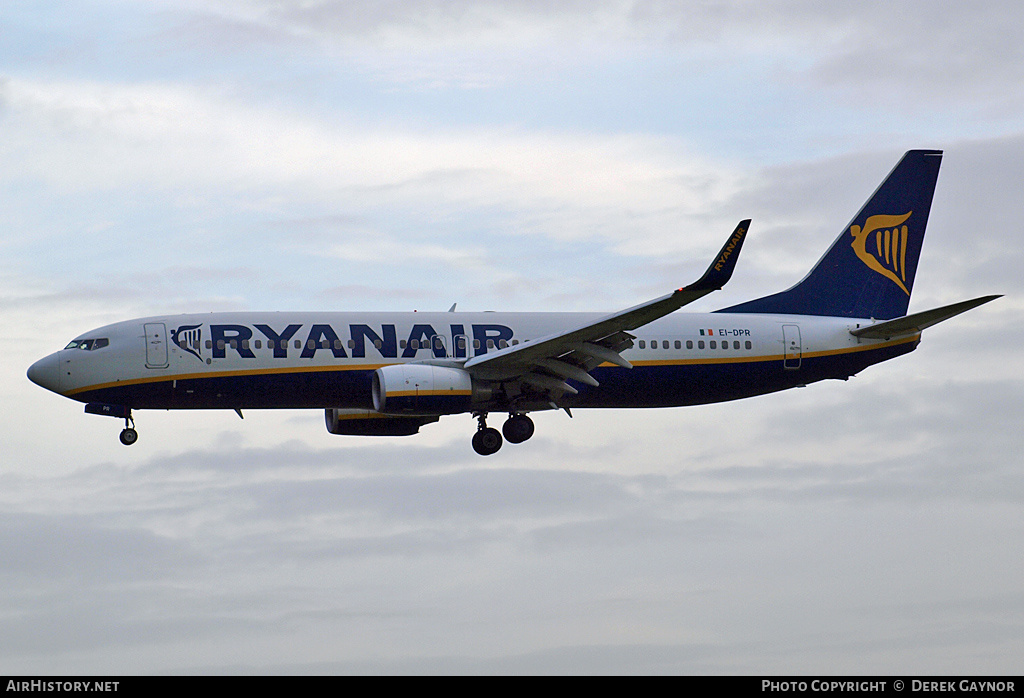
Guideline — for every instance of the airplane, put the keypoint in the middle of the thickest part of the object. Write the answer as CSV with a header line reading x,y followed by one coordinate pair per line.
x,y
390,373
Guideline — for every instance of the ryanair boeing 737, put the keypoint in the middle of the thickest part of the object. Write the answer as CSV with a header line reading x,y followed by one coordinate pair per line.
x,y
388,374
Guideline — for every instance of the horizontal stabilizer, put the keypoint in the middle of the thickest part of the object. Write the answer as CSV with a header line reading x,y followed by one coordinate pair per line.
x,y
912,324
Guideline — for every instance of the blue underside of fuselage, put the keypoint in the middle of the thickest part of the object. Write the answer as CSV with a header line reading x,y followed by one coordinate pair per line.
x,y
652,385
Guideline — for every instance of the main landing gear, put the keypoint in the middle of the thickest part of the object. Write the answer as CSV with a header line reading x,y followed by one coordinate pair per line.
x,y
517,428
487,440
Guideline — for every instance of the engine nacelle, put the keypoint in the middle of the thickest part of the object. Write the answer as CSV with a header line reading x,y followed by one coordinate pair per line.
x,y
370,423
422,389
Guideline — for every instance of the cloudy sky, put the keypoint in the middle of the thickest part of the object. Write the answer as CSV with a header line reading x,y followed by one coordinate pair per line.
x,y
162,157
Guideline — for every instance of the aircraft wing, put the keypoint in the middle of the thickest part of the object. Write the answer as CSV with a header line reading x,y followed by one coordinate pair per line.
x,y
544,363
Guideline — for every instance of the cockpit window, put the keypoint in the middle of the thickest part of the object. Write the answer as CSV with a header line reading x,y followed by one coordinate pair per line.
x,y
88,344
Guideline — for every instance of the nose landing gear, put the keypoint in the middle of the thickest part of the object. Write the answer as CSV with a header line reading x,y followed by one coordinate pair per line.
x,y
128,434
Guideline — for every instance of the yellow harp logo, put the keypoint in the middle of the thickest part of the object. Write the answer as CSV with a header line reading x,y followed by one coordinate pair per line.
x,y
882,245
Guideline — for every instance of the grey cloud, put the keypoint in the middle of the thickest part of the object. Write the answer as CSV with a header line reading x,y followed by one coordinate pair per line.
x,y
74,623
476,494
287,543
583,659
354,19
929,51
81,550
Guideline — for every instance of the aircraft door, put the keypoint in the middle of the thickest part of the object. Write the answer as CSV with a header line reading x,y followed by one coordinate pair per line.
x,y
156,345
791,347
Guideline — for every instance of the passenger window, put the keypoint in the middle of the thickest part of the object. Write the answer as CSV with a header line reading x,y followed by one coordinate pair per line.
x,y
700,344
713,344
298,343
502,344
664,344
377,343
414,344
749,345
220,343
643,345
689,344
209,344
736,344
490,343
476,343
679,345
259,344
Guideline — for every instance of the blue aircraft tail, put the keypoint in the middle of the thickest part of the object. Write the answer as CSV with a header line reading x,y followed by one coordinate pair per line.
x,y
869,270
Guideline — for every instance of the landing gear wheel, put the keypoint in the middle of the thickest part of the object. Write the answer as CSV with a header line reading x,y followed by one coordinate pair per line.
x,y
486,441
517,428
129,435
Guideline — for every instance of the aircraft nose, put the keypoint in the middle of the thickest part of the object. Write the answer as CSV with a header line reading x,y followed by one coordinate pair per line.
x,y
46,372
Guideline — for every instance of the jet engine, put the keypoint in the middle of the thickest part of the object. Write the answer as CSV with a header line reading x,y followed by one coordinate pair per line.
x,y
370,423
422,389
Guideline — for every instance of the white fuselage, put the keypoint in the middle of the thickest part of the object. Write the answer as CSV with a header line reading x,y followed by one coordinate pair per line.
x,y
320,360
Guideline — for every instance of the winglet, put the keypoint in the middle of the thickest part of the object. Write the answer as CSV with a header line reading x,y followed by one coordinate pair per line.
x,y
721,269
513,361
